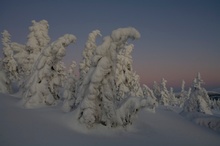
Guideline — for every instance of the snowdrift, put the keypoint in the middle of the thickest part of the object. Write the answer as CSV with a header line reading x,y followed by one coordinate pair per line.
x,y
49,126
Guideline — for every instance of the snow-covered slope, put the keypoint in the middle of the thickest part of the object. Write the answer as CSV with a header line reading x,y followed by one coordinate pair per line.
x,y
52,127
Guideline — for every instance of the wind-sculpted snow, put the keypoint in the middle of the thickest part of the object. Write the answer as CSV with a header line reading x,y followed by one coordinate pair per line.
x,y
123,34
202,119
50,127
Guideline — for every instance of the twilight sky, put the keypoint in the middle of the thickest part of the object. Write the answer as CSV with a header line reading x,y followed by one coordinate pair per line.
x,y
178,37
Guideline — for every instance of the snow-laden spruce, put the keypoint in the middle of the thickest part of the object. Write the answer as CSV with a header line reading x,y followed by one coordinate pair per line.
x,y
198,99
4,80
37,88
57,79
215,104
86,63
184,95
8,63
161,92
151,99
98,104
173,101
156,90
164,98
88,53
69,93
126,80
38,39
18,58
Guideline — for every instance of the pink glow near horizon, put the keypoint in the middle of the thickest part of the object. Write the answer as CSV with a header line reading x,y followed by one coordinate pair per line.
x,y
178,38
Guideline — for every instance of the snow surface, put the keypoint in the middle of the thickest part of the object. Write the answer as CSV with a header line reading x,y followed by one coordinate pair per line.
x,y
49,126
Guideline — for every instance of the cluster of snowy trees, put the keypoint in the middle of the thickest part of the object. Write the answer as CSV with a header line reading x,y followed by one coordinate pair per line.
x,y
168,97
107,90
195,99
215,104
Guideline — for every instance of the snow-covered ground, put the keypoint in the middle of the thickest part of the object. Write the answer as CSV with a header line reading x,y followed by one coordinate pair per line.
x,y
51,127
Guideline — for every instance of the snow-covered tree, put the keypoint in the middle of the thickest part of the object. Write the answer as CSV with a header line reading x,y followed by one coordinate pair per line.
x,y
215,104
10,67
126,80
88,53
136,89
4,81
156,90
21,56
164,98
172,98
57,79
6,41
123,72
151,99
37,88
198,99
97,98
69,93
38,39
184,95
8,63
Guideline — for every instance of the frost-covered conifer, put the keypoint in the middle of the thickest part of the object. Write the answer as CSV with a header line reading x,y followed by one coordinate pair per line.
x,y
164,98
123,72
57,79
156,90
97,99
21,56
126,80
4,81
136,89
38,39
8,64
184,95
151,99
69,93
37,89
88,53
198,99
173,100
215,104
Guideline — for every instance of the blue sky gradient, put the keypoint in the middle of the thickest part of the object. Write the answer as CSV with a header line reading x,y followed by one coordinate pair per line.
x,y
178,37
